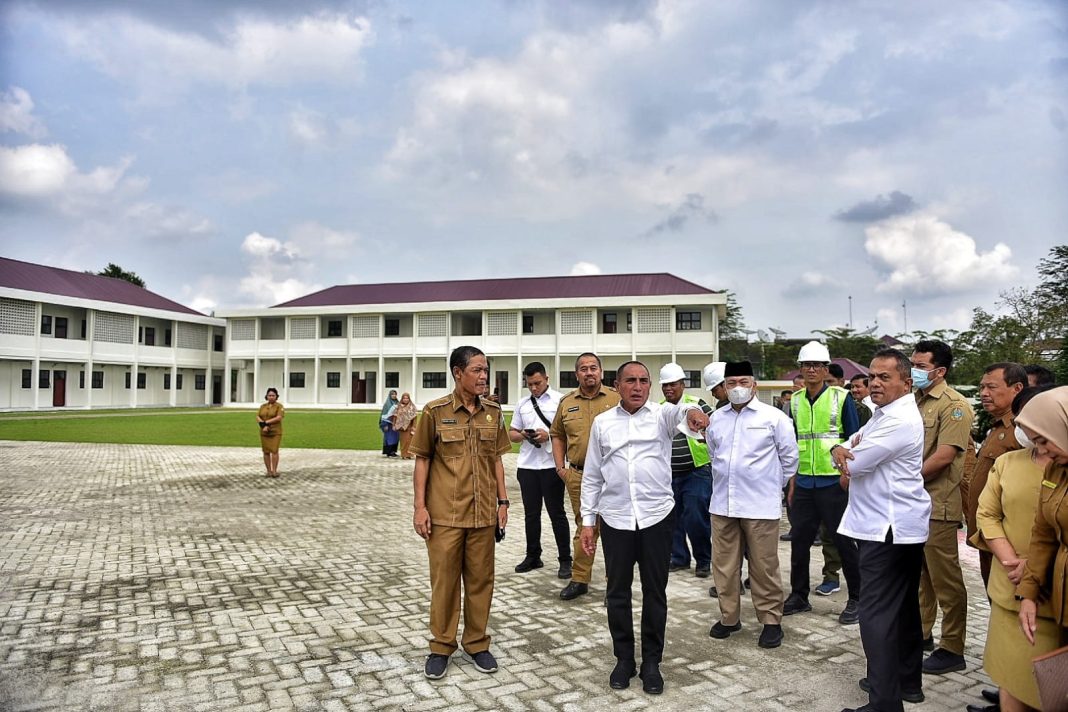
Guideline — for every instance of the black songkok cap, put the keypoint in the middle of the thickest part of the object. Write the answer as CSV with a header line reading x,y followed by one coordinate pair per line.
x,y
738,368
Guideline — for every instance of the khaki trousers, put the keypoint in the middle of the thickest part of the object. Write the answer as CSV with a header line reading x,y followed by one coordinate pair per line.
x,y
730,535
942,586
460,554
581,565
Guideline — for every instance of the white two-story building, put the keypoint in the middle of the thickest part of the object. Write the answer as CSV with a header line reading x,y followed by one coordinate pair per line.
x,y
351,344
71,339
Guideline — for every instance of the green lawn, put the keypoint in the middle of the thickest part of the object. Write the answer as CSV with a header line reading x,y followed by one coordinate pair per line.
x,y
234,428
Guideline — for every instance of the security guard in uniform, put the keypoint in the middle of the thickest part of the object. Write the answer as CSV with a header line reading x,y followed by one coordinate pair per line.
x,y
570,433
460,503
947,424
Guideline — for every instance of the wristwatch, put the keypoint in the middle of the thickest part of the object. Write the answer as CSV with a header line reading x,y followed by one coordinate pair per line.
x,y
503,503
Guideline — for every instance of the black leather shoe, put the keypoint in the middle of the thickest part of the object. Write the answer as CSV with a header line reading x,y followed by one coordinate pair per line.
x,y
529,564
795,604
574,590
850,614
565,570
991,695
983,708
621,675
703,572
678,567
771,636
941,661
862,708
652,680
720,631
914,697
788,536
713,592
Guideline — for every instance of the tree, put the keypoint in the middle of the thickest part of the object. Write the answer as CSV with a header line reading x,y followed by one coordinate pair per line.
x,y
113,270
1054,272
733,324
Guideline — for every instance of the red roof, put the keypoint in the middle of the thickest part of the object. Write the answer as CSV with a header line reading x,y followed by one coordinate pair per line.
x,y
68,283
606,285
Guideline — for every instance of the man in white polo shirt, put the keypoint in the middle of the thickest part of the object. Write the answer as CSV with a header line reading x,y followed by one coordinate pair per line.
x,y
887,515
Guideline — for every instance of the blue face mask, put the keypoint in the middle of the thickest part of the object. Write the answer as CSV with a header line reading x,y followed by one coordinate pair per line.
x,y
920,378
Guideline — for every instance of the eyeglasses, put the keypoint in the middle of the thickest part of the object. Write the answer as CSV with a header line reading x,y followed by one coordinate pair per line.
x,y
811,365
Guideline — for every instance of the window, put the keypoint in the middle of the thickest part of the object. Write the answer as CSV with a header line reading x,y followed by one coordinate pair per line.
x,y
392,379
166,337
84,329
61,327
81,379
688,321
434,379
142,381
568,380
98,379
127,380
178,382
333,328
43,380
46,324
333,379
608,378
27,377
630,326
392,327
149,336
199,382
217,342
528,323
608,322
296,379
693,379
166,381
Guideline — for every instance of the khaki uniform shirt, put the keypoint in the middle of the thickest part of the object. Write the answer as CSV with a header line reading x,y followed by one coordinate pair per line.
x,y
463,449
1000,440
947,420
268,411
574,418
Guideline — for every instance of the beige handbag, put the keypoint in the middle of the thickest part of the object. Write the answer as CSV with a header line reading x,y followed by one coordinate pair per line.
x,y
1051,673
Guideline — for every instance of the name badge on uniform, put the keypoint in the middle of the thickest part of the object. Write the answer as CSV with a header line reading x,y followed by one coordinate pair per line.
x,y
448,421
1047,483
573,409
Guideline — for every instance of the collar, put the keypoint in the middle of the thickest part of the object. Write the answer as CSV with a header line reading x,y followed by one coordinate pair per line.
x,y
937,391
896,404
644,406
458,402
601,391
1006,421
810,398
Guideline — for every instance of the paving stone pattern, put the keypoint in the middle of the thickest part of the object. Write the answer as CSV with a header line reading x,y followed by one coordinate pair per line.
x,y
167,579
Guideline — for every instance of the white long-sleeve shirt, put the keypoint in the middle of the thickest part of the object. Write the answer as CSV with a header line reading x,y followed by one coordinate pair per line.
x,y
626,478
530,457
754,454
885,485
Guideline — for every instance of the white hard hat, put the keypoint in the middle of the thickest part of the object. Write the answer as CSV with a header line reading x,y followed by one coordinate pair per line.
x,y
672,373
814,351
712,374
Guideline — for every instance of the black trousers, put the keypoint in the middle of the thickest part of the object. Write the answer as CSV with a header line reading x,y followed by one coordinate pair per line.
x,y
811,507
890,626
650,549
537,486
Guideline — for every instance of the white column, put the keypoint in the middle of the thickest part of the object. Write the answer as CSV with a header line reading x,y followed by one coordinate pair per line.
x,y
285,360
36,383
135,368
90,325
673,326
633,334
348,359
255,380
226,381
316,362
556,350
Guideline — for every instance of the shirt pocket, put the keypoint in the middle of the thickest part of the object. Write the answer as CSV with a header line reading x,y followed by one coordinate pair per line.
x,y
451,442
487,440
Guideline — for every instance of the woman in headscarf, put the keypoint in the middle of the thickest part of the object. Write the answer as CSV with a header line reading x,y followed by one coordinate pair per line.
x,y
1004,516
385,424
1044,421
269,418
404,423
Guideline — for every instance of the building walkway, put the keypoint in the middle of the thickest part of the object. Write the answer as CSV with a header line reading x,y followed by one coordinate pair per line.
x,y
175,579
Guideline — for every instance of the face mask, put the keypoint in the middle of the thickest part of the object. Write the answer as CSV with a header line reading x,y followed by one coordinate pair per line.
x,y
920,378
739,395
1021,437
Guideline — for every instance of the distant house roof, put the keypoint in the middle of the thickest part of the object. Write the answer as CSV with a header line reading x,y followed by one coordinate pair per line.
x,y
850,368
68,283
891,341
608,285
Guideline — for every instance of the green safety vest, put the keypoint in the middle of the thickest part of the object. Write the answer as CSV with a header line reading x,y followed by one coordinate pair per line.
x,y
698,448
819,428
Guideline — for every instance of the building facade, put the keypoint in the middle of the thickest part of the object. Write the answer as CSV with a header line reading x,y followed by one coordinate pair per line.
x,y
349,345
75,340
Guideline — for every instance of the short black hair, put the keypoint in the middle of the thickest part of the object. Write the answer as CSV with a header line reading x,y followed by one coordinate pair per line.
x,y
534,367
786,392
835,370
1013,373
1043,376
584,355
859,377
623,365
904,366
272,389
462,355
1027,394
941,353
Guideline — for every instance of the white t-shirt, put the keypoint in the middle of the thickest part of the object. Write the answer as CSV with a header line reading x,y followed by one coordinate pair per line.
x,y
530,457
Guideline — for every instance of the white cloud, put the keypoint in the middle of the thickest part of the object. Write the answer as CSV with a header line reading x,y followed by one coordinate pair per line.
x,y
35,170
809,284
16,114
262,247
267,290
312,238
920,254
155,220
584,268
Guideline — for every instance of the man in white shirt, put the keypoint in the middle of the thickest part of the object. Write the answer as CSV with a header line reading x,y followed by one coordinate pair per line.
x,y
536,470
754,454
888,515
627,484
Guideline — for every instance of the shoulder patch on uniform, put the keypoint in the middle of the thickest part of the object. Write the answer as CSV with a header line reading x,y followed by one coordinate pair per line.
x,y
574,408
957,413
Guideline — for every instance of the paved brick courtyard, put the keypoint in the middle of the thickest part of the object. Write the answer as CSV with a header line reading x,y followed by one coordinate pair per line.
x,y
178,578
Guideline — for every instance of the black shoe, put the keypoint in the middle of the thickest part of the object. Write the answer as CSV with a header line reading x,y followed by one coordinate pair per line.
x,y
928,644
983,708
850,614
788,536
771,636
991,695
528,564
703,571
574,590
713,592
914,697
565,570
745,585
795,604
862,708
436,665
720,631
484,661
652,680
941,661
621,675
678,567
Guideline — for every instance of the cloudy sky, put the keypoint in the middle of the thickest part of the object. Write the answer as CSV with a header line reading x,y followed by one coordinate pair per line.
x,y
243,153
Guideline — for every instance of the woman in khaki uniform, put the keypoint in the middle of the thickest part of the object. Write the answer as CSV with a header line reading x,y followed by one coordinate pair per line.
x,y
1004,514
269,418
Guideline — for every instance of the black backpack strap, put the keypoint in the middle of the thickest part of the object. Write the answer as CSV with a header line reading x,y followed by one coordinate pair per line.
x,y
537,409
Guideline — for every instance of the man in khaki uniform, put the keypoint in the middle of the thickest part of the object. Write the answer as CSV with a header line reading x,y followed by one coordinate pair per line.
x,y
460,501
570,433
947,422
